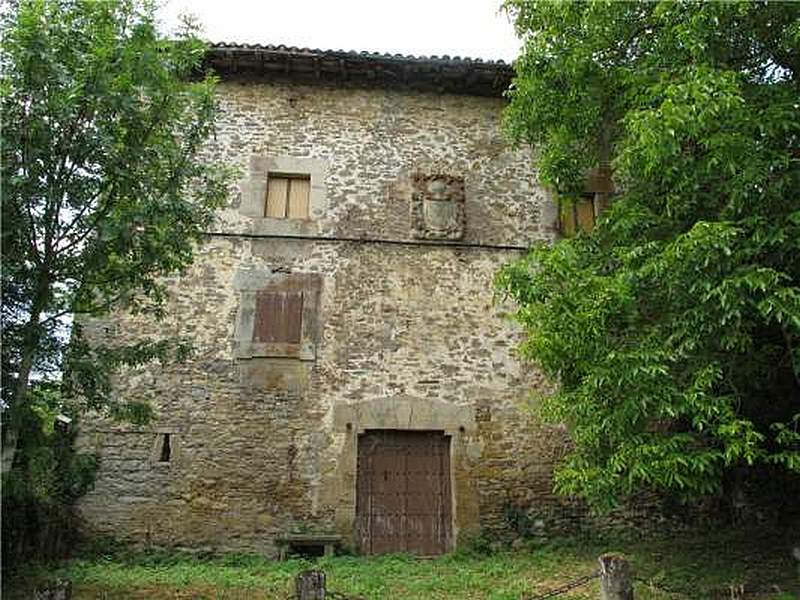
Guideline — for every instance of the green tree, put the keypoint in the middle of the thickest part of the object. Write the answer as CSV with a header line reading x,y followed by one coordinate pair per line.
x,y
674,326
103,194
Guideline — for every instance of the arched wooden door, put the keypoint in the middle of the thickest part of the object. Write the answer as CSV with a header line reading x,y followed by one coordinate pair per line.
x,y
403,499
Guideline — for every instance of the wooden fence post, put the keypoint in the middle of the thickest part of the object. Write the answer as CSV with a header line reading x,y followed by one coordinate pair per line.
x,y
310,585
60,589
616,580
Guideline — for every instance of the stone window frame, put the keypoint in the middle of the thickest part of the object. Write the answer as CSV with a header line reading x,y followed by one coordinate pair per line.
x,y
174,446
252,282
254,193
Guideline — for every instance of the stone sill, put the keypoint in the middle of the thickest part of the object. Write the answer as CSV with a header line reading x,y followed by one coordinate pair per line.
x,y
267,226
309,538
304,352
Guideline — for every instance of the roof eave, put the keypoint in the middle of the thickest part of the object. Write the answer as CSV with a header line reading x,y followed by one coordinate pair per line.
x,y
360,69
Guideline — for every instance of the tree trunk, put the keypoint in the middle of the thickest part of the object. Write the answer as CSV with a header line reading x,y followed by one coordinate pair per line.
x,y
30,343
9,449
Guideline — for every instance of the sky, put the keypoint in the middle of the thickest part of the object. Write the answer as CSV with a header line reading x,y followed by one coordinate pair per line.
x,y
466,28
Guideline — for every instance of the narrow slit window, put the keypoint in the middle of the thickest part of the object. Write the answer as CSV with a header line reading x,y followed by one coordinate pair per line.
x,y
287,197
166,449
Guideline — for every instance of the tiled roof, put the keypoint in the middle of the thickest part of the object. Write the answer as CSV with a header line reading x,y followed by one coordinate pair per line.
x,y
347,67
358,54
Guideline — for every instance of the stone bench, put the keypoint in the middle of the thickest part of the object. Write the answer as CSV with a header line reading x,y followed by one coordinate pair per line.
x,y
297,541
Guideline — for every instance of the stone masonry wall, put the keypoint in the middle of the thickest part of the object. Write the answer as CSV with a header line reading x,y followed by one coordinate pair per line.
x,y
405,332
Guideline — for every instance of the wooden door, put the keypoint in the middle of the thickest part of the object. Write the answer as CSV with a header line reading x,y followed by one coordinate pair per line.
x,y
403,501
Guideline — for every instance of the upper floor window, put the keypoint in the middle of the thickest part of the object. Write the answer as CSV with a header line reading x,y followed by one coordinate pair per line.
x,y
287,196
579,214
279,317
284,195
278,314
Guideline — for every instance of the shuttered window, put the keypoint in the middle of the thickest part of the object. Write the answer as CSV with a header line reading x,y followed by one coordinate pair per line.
x,y
581,214
279,317
578,214
287,197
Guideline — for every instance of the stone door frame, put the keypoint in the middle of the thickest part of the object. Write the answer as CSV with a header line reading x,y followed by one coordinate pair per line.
x,y
406,413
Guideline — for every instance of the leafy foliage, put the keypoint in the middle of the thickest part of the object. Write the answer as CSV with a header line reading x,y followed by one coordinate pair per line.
x,y
103,190
673,327
48,476
53,473
104,194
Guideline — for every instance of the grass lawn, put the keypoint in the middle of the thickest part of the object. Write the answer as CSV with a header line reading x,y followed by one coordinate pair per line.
x,y
697,566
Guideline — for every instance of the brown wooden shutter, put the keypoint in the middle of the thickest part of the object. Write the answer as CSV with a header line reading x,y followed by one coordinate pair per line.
x,y
577,214
279,317
567,219
298,198
277,192
585,212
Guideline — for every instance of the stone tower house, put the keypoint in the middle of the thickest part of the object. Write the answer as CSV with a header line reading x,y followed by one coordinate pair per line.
x,y
353,378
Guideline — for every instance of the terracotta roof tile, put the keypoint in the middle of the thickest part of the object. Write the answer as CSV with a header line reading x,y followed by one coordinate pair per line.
x,y
360,68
